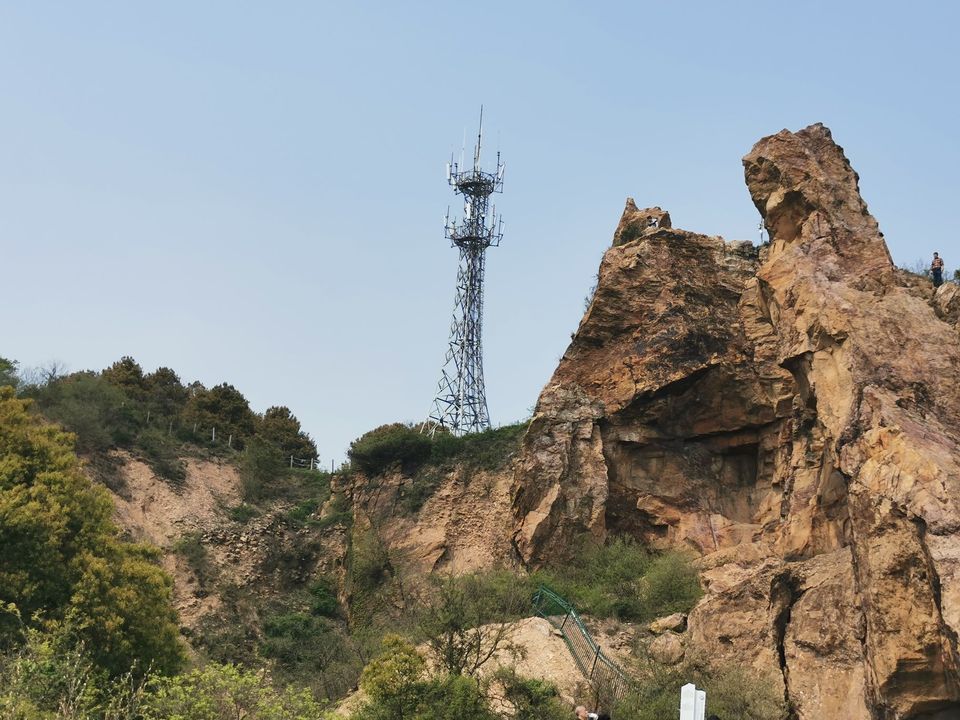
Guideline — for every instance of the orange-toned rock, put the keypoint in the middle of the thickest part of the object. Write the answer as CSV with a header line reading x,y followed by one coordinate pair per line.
x,y
793,416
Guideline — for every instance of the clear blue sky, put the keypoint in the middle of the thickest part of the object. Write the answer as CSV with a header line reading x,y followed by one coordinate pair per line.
x,y
252,192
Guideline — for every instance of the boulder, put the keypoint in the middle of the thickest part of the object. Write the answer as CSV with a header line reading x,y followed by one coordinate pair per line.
x,y
666,649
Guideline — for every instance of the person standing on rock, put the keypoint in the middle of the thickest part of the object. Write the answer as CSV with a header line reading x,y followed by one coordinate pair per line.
x,y
936,269
582,713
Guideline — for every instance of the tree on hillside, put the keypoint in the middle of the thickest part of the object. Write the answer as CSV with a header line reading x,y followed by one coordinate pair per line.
x,y
224,408
280,427
8,373
62,561
462,625
99,412
127,375
166,394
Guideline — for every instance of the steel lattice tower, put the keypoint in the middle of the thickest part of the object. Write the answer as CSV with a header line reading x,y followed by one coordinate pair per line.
x,y
460,405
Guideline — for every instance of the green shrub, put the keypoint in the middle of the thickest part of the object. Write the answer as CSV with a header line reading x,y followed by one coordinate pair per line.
x,y
98,412
623,580
225,692
671,584
487,450
261,468
243,512
300,513
393,682
531,699
161,454
306,647
323,598
420,489
463,625
389,445
61,555
191,548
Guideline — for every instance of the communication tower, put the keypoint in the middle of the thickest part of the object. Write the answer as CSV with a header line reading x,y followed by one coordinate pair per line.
x,y
460,405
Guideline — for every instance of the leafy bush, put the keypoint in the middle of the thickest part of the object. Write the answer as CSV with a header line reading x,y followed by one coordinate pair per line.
x,y
243,512
225,692
280,427
462,625
389,445
191,548
8,373
392,681
531,699
671,584
324,602
261,467
61,555
98,412
487,450
300,513
162,455
307,646
623,580
420,489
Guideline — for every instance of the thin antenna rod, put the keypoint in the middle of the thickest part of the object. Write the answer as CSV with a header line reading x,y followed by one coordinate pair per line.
x,y
476,155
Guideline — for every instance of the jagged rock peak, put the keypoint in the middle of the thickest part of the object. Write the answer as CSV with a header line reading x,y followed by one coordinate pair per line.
x,y
634,222
804,186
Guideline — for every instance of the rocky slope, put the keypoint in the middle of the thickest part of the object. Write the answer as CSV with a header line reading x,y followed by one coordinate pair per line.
x,y
792,415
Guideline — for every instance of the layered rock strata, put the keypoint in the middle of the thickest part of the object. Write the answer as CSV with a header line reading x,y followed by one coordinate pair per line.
x,y
789,413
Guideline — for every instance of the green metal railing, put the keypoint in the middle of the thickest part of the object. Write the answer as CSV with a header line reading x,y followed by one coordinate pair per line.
x,y
609,681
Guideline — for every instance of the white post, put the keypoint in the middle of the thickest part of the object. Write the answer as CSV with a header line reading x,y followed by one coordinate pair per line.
x,y
291,461
700,708
213,435
688,700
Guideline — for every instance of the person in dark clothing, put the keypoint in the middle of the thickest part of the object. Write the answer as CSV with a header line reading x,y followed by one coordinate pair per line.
x,y
936,269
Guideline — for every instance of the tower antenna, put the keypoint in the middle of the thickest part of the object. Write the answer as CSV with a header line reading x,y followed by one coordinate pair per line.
x,y
460,405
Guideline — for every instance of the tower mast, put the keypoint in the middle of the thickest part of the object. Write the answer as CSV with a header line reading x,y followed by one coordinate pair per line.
x,y
460,405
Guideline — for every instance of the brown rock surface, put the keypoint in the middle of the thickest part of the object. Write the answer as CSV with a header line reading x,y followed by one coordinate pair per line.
x,y
793,416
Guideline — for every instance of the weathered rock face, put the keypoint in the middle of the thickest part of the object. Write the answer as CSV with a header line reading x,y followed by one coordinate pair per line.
x,y
792,415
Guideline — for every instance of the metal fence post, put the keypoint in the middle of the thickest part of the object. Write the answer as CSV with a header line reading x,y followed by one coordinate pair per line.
x,y
594,666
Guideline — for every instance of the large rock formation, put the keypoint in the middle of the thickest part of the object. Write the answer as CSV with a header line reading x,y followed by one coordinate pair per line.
x,y
792,415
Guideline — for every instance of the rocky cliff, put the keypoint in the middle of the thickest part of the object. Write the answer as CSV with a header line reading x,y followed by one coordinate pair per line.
x,y
791,413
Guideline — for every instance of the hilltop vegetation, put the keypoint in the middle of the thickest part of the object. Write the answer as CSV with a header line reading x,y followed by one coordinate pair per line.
x,y
87,628
162,420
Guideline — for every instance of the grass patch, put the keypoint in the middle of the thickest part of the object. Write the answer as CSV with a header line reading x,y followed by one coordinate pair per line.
x,y
194,552
242,513
731,692
624,580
